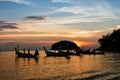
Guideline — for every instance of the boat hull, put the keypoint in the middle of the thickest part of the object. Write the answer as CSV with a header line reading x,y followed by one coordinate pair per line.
x,y
56,54
19,54
95,53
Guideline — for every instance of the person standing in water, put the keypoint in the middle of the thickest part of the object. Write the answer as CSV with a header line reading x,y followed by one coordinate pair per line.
x,y
36,52
28,50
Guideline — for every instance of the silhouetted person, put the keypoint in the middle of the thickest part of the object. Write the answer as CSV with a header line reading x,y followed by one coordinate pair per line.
x,y
28,50
78,51
36,52
15,49
16,52
24,50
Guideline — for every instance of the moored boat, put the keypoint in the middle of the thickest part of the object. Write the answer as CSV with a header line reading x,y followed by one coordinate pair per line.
x,y
55,54
26,55
93,52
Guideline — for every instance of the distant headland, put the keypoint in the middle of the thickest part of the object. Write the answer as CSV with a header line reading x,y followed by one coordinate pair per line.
x,y
110,41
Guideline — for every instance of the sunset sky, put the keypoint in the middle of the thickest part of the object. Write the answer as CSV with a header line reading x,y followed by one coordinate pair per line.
x,y
44,22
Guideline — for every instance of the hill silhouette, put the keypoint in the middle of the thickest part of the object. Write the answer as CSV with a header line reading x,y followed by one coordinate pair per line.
x,y
64,45
110,41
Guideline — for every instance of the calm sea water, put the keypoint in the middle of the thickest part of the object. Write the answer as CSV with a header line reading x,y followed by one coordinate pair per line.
x,y
84,67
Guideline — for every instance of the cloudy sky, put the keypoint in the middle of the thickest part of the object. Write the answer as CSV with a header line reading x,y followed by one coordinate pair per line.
x,y
44,22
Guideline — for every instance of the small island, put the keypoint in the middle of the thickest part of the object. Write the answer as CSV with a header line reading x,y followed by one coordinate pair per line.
x,y
63,48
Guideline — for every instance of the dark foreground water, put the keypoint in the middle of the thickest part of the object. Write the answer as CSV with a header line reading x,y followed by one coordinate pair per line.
x,y
84,67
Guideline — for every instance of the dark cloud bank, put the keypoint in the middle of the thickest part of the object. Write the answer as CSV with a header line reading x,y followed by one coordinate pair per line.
x,y
35,18
7,25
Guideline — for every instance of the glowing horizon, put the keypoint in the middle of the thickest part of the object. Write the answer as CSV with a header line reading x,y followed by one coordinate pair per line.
x,y
45,22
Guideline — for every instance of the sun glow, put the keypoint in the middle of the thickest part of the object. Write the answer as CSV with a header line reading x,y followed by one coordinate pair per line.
x,y
80,44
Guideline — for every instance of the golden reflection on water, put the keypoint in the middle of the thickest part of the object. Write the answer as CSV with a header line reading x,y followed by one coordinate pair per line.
x,y
83,66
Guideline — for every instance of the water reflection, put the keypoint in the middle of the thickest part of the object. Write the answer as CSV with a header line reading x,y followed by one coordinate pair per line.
x,y
57,68
56,57
28,60
56,60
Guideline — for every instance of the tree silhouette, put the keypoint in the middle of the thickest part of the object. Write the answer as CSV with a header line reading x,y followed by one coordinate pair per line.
x,y
111,41
64,45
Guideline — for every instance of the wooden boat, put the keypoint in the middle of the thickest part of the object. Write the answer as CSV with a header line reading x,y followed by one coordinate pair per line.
x,y
26,55
93,52
99,52
55,54
73,53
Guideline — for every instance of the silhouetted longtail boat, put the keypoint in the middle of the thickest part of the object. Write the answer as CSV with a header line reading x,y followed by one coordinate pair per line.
x,y
55,54
93,52
26,55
